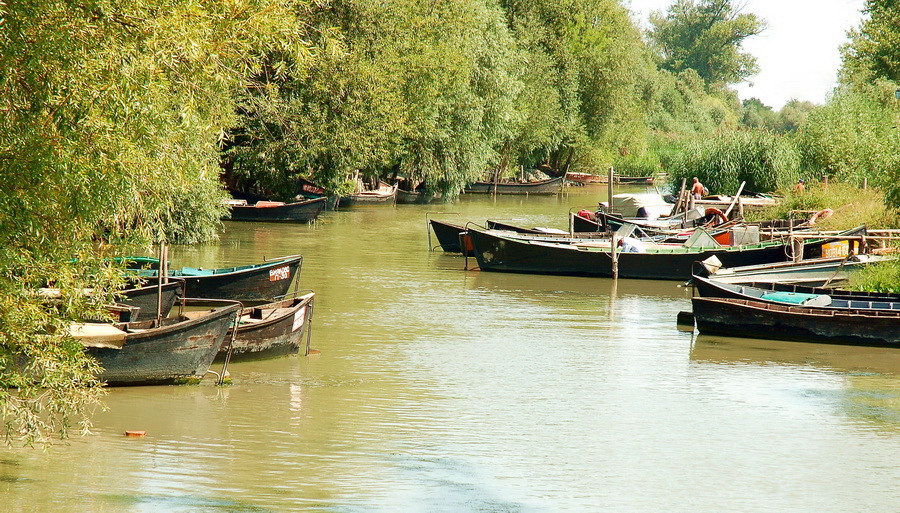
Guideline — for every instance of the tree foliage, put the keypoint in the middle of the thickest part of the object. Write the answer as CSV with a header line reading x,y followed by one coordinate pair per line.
x,y
705,36
111,115
873,49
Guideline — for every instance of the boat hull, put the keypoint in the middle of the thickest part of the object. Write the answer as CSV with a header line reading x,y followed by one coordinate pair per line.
x,y
448,236
508,254
755,319
171,354
270,330
550,186
299,212
258,282
146,298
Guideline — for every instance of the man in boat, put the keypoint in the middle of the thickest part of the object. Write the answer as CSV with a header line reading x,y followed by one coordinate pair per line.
x,y
697,189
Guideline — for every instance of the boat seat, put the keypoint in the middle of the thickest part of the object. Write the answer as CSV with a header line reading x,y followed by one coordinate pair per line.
x,y
798,298
192,271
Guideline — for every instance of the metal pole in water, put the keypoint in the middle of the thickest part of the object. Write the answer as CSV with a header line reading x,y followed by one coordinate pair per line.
x,y
615,256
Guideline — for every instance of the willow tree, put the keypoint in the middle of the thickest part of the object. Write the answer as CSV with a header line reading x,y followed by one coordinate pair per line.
x,y
588,60
112,111
403,86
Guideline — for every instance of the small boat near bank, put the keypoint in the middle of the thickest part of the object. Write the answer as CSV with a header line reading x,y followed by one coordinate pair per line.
x,y
813,272
305,211
176,350
818,297
270,330
758,319
384,195
511,252
549,186
255,282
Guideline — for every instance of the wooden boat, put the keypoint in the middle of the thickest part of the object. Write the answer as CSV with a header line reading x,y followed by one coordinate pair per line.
x,y
270,330
758,319
585,178
810,272
585,221
834,292
510,252
448,236
146,297
178,351
634,180
588,178
405,197
256,282
550,186
384,195
812,297
276,211
748,200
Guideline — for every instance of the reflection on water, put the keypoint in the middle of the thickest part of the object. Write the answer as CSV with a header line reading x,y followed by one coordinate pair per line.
x,y
446,390
862,382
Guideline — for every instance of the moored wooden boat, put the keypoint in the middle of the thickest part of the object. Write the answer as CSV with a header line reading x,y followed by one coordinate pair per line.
x,y
585,178
448,236
417,197
510,252
549,186
383,196
634,180
276,211
146,297
178,351
256,282
758,319
817,297
270,330
810,271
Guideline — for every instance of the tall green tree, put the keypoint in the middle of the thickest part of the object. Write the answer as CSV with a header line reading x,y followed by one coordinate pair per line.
x,y
426,90
706,36
873,49
112,113
596,69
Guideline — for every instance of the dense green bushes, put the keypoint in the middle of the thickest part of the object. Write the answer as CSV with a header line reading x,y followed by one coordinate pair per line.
x,y
855,137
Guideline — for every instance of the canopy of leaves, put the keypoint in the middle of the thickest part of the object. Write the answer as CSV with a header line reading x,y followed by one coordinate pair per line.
x,y
705,36
873,49
111,115
448,91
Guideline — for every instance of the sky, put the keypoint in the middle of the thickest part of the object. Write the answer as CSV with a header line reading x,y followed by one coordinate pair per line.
x,y
798,54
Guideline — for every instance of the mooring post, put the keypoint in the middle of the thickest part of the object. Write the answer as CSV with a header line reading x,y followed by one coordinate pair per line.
x,y
615,255
609,190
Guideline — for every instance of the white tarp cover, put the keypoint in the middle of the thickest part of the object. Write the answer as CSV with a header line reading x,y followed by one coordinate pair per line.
x,y
653,205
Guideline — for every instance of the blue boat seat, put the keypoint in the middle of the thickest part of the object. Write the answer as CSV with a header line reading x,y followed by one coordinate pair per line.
x,y
192,271
798,298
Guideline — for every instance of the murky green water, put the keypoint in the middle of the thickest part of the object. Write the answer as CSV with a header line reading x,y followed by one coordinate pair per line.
x,y
442,390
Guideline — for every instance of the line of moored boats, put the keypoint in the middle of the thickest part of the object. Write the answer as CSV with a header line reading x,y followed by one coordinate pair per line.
x,y
224,314
773,279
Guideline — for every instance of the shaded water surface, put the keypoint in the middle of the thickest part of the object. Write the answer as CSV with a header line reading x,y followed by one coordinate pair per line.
x,y
443,390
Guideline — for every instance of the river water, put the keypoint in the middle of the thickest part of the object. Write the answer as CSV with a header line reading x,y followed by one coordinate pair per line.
x,y
437,389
